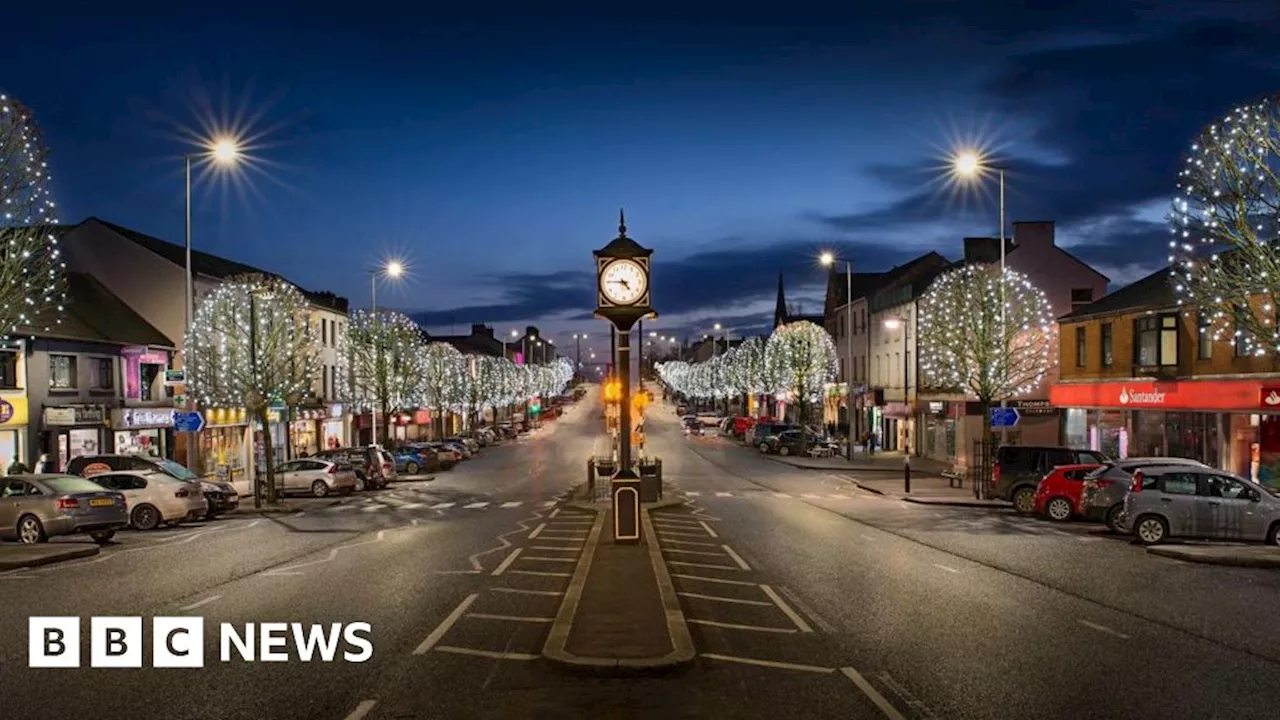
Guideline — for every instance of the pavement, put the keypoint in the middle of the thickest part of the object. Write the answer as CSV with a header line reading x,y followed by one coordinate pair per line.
x,y
805,596
1232,555
14,556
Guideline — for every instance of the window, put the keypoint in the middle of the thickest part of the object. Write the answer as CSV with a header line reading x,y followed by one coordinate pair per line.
x,y
1180,483
1157,340
1106,345
324,331
62,372
9,370
1080,347
104,375
1204,337
1224,487
1081,296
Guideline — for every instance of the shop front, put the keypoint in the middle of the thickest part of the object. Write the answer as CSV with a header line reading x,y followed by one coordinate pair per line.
x,y
1227,424
72,431
419,427
939,421
224,446
13,430
306,433
896,426
333,430
142,431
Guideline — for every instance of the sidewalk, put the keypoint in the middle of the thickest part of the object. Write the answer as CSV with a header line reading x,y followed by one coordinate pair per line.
x,y
1250,556
620,614
926,490
880,462
13,555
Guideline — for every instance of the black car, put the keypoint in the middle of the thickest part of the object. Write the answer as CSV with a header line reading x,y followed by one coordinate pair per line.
x,y
221,496
364,460
1018,470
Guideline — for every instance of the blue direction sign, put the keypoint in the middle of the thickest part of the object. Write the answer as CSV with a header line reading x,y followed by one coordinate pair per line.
x,y
184,421
1004,417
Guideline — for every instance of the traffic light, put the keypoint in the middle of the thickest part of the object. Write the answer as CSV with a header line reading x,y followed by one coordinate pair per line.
x,y
535,406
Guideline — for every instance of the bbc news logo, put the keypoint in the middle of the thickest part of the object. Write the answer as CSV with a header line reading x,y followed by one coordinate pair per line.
x,y
178,642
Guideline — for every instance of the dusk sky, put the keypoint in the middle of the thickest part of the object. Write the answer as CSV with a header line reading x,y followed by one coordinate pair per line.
x,y
492,153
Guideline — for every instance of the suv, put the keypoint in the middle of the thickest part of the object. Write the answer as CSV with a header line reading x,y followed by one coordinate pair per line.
x,y
1102,497
221,497
1019,468
367,461
760,433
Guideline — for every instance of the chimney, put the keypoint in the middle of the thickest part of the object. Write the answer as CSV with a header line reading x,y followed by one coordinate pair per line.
x,y
981,250
1036,235
481,330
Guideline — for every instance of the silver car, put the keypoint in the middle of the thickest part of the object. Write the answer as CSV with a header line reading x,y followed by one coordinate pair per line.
x,y
1198,502
34,508
315,476
1102,496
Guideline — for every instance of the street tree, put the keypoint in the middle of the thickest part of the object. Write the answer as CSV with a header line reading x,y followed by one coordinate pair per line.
x,y
32,280
802,357
484,385
249,346
443,381
380,360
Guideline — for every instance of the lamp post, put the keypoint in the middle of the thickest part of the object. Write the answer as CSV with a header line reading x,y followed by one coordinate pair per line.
x,y
829,259
577,339
894,323
392,269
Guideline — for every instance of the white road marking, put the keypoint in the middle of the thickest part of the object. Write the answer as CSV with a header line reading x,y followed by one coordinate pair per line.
x,y
556,548
781,495
801,625
837,496
512,618
412,506
507,562
944,567
694,493
444,626
736,557
707,527
375,508
362,709
724,494
537,531
531,558
868,538
1105,629
300,514
701,565
810,496
738,601
336,508
695,552
540,573
696,543
551,503
486,653
767,663
442,506
475,506
522,591
872,694
512,504
735,626
333,553
200,603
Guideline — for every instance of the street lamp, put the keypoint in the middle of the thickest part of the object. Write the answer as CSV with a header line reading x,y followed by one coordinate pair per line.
x,y
392,270
894,323
829,260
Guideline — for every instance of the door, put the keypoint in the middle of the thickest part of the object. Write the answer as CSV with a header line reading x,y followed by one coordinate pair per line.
x,y
1180,502
1227,509
287,475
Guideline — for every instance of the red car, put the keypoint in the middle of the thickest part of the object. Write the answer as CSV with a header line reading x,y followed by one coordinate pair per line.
x,y
1058,495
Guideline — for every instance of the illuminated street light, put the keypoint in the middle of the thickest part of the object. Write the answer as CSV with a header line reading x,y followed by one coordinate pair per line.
x,y
225,151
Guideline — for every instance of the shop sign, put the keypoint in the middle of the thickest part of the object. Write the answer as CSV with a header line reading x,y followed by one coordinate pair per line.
x,y
13,410
1027,408
421,417
1269,397
75,415
335,410
1244,395
59,416
146,418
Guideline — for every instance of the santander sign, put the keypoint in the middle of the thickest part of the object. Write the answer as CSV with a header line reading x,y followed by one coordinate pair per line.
x,y
1153,397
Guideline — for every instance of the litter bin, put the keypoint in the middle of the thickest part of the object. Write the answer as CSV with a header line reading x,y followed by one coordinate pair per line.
x,y
650,480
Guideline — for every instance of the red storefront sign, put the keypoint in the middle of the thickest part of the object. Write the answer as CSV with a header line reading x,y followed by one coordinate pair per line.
x,y
421,417
1244,395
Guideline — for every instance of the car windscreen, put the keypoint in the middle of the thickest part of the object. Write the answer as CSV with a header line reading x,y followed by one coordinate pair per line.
x,y
72,484
176,470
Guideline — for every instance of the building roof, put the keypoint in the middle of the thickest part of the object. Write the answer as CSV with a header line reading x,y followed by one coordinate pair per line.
x,y
1153,292
93,314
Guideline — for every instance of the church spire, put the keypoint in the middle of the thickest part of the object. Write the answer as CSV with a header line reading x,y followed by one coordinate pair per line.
x,y
622,223
780,311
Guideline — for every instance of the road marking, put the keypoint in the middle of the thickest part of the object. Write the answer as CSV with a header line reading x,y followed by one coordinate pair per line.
x,y
944,567
739,601
514,503
412,506
443,628
512,618
695,552
837,496
868,538
1105,629
555,548
735,626
675,521
724,494
300,514
442,506
362,709
336,508
701,565
537,531
200,603
693,493
707,527
874,695
781,495
375,508
767,663
507,562
548,559
333,553
551,503
486,653
522,591
801,625
736,557
697,543
811,496
540,573
475,506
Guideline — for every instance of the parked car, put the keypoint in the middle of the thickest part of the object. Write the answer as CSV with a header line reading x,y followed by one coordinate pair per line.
x,y
459,447
414,459
1058,495
448,455
1018,469
367,463
741,425
155,497
762,430
1103,490
472,446
692,425
221,496
316,476
34,508
1198,502
725,427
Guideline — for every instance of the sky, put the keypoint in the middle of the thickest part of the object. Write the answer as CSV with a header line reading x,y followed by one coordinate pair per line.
x,y
490,149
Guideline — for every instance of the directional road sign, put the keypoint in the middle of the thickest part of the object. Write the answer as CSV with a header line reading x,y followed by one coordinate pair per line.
x,y
1004,417
184,421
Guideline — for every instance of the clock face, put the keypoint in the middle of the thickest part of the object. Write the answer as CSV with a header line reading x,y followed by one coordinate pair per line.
x,y
623,282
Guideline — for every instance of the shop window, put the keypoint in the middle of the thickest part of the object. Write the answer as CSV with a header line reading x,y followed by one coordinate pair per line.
x,y
104,376
1157,340
62,372
9,370
1204,337
1106,345
1080,347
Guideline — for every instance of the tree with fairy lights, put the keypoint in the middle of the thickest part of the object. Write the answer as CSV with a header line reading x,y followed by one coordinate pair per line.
x,y
249,347
380,361
748,371
484,385
972,344
444,378
1225,249
803,357
32,281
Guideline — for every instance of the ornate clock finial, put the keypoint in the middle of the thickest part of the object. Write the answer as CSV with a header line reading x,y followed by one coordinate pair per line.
x,y
622,223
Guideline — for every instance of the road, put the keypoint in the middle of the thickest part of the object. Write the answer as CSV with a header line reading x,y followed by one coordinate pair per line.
x,y
807,598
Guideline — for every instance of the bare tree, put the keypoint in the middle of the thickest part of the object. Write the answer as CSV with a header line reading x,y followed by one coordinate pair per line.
x,y
381,362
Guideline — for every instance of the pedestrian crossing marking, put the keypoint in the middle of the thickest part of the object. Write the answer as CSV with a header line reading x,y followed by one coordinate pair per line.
x,y
693,493
516,503
442,506
475,505
549,503
810,496
373,508
412,506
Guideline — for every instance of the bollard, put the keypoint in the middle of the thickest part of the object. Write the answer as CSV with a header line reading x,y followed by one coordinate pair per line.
x,y
591,477
906,473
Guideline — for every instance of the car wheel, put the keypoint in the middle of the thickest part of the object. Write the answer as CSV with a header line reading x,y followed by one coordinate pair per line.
x,y
1113,517
1024,500
411,468
319,488
145,517
784,450
102,537
1150,529
30,531
1058,509
764,447
1273,534
359,483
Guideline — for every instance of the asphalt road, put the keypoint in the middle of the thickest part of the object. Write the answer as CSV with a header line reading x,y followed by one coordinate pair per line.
x,y
807,598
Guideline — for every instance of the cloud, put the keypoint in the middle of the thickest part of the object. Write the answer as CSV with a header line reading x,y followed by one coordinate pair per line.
x,y
524,296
